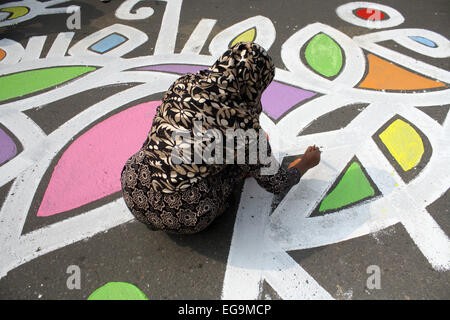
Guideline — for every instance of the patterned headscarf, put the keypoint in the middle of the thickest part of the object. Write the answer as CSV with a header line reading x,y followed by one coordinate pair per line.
x,y
225,96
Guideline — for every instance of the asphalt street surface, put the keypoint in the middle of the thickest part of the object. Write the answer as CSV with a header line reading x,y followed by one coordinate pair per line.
x,y
167,266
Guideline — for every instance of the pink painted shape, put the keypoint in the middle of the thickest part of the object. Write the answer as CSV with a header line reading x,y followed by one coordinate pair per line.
x,y
90,168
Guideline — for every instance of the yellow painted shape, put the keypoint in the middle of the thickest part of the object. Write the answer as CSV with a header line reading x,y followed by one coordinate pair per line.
x,y
17,12
383,74
404,143
247,36
2,54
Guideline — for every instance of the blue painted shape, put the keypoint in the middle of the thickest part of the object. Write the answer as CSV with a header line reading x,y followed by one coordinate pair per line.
x,y
108,43
424,41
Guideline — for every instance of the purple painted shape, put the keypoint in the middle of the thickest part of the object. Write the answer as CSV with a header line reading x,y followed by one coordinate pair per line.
x,y
175,68
8,148
279,98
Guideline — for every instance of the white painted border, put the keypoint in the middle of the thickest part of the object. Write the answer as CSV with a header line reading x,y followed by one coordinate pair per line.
x,y
259,254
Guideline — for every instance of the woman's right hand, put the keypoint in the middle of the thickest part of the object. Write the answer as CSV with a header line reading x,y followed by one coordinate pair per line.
x,y
310,159
311,156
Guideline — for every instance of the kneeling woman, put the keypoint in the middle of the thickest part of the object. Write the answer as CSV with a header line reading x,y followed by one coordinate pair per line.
x,y
186,197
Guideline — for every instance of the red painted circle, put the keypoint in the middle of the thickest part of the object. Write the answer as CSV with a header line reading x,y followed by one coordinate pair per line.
x,y
370,14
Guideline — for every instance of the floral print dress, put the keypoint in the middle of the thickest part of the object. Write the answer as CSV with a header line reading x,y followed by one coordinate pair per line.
x,y
186,197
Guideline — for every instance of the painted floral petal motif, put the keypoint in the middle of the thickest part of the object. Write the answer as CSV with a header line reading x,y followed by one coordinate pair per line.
x,y
15,12
248,36
278,98
334,120
424,41
90,168
22,83
383,74
324,55
2,54
8,148
118,291
404,144
437,113
110,42
352,186
370,14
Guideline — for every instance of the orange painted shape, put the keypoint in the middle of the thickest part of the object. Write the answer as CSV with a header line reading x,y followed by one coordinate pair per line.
x,y
293,163
2,54
386,75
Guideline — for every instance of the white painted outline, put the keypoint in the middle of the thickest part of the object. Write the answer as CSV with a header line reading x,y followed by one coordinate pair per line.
x,y
199,36
258,255
124,11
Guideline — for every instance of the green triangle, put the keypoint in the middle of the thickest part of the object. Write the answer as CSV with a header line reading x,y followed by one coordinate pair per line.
x,y
354,186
